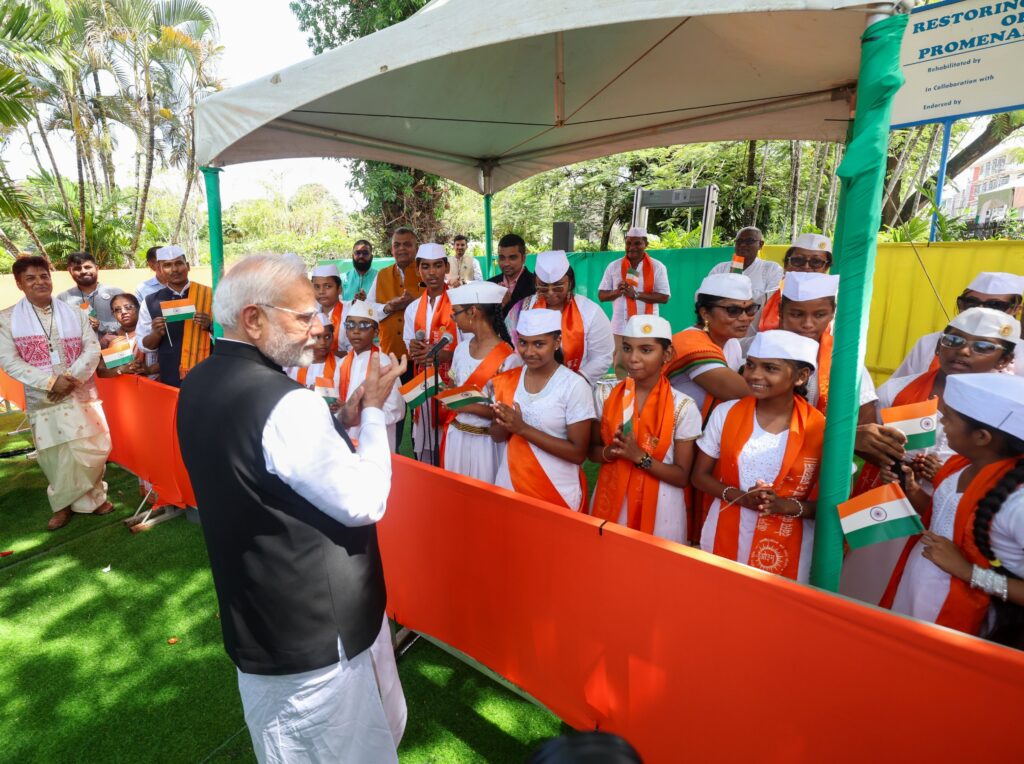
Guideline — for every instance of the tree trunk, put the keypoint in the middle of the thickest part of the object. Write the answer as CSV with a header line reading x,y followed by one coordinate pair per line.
x,y
23,220
606,222
9,245
921,174
85,128
81,193
106,145
760,182
794,188
831,207
150,154
751,162
819,177
190,175
816,167
889,210
56,171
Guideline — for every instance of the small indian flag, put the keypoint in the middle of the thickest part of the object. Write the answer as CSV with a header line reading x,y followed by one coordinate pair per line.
x,y
628,404
633,278
915,420
118,353
178,310
87,308
737,264
324,386
462,396
880,514
419,388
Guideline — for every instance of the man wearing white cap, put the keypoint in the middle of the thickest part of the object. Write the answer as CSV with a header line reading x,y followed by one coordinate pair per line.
x,y
155,282
428,321
809,253
645,441
998,291
635,284
362,326
807,307
543,413
180,344
327,288
467,448
587,340
764,275
759,459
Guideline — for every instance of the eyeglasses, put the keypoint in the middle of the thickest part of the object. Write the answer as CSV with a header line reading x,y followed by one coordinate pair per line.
x,y
746,241
734,311
458,311
363,326
552,289
815,263
362,252
304,317
1003,306
981,347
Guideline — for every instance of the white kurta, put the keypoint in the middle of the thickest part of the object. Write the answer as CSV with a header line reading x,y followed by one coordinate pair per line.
x,y
686,382
467,453
394,406
760,459
598,341
764,276
670,520
613,277
920,358
566,399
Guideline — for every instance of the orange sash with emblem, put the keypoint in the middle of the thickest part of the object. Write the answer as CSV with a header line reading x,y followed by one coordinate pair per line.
x,y
654,429
195,342
527,474
487,369
573,333
647,268
777,538
329,366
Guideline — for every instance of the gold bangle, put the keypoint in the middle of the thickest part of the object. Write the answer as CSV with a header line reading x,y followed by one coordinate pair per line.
x,y
604,453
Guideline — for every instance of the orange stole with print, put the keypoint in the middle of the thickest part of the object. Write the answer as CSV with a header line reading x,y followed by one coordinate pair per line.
x,y
771,317
487,369
647,269
345,373
777,538
693,348
195,343
654,430
527,474
329,366
574,342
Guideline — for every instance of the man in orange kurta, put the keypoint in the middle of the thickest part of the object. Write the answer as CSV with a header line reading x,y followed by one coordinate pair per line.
x,y
397,286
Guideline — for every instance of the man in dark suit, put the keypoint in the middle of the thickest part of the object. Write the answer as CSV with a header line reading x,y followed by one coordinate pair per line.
x,y
515,276
289,511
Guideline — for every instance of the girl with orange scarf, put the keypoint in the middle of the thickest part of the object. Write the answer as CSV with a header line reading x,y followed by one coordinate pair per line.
x,y
543,413
759,458
809,253
645,440
467,448
965,571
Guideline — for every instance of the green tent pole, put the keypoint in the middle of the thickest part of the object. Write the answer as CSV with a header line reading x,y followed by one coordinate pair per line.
x,y
862,174
488,235
211,176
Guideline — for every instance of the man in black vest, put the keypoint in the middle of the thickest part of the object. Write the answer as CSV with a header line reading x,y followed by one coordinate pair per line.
x,y
515,276
288,510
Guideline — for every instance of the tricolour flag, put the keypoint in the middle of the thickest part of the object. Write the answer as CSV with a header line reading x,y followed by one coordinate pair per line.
x,y
633,278
118,353
462,396
628,404
324,386
880,514
419,388
737,264
915,420
178,310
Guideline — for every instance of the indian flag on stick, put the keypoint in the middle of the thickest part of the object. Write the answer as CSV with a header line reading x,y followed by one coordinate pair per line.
x,y
462,396
118,353
178,310
633,278
915,420
419,388
324,386
880,514
737,264
628,404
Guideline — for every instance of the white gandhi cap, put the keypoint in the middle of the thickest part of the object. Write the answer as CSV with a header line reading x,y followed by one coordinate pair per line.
x,y
989,323
800,287
778,343
477,293
552,265
648,328
813,241
172,252
323,271
430,252
734,286
993,282
994,399
538,321
636,232
362,309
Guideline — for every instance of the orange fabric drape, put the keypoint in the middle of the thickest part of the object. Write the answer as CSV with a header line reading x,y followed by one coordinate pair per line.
x,y
618,480
825,345
345,373
693,348
195,342
574,343
12,390
335,318
647,269
777,538
770,313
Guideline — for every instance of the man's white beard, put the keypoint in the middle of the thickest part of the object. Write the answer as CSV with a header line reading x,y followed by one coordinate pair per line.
x,y
284,353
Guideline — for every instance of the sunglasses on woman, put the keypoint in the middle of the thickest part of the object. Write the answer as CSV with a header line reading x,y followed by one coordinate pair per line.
x,y
734,311
981,347
815,263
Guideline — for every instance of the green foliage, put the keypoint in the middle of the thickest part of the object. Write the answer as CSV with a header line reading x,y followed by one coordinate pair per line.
x,y
333,22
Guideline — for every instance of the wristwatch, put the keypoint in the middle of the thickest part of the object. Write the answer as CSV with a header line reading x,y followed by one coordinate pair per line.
x,y
645,462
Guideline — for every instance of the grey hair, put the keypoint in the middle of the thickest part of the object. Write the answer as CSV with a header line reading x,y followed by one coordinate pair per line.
x,y
753,228
254,280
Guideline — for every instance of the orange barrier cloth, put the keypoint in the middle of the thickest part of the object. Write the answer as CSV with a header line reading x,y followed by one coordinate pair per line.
x,y
688,656
12,390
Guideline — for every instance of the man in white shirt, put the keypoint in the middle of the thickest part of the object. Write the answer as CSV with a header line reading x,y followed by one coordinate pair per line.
x,y
463,268
764,275
637,283
155,282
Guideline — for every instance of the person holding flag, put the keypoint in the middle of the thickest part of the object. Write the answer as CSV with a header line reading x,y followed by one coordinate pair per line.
x,y
176,321
466,447
809,253
327,287
114,360
587,342
543,413
965,571
645,441
428,321
759,458
764,275
635,284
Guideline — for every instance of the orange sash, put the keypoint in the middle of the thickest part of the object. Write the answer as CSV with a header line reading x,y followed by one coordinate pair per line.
x,y
770,315
440,322
824,369
777,538
329,366
335,318
695,348
527,474
573,333
647,266
487,369
618,480
345,373
195,343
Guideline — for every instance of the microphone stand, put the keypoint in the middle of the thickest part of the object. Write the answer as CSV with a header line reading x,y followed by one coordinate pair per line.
x,y
435,456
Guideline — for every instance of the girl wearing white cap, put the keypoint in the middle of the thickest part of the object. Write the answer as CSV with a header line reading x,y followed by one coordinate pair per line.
x,y
587,342
965,571
466,447
543,413
759,458
809,253
706,356
645,440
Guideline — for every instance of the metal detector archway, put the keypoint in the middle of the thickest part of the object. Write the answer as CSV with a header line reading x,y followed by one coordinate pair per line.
x,y
706,198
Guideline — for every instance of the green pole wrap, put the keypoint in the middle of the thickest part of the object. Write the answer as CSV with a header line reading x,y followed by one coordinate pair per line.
x,y
862,175
211,176
488,236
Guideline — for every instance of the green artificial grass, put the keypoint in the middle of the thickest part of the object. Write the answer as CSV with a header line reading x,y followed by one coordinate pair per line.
x,y
88,674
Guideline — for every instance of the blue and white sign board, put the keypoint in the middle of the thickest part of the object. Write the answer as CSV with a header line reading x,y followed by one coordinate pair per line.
x,y
961,58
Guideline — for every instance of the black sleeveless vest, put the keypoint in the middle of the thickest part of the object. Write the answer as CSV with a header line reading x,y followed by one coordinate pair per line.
x,y
168,352
290,580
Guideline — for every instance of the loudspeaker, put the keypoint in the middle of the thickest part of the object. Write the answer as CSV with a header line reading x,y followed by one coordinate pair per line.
x,y
563,236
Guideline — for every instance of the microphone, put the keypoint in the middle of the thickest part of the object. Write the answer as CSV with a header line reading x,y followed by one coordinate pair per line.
x,y
446,338
420,335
